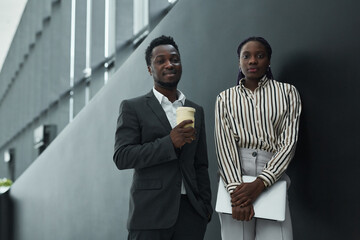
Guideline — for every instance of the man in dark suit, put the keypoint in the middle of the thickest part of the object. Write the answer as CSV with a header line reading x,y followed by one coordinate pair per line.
x,y
170,197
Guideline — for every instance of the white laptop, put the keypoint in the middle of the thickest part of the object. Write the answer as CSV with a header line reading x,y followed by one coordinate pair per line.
x,y
270,204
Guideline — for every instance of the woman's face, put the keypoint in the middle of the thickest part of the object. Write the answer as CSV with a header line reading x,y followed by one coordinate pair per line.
x,y
254,60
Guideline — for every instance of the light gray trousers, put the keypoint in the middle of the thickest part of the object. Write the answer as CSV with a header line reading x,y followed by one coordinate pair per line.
x,y
253,162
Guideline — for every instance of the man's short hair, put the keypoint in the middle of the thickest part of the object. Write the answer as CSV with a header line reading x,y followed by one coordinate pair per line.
x,y
162,40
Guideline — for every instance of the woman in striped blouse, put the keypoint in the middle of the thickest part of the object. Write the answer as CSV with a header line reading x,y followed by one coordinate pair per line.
x,y
256,130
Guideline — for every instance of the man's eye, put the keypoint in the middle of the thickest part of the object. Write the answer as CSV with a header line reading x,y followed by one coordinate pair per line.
x,y
159,61
175,60
245,56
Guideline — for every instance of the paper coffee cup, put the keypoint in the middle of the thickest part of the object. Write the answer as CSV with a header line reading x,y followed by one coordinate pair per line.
x,y
185,113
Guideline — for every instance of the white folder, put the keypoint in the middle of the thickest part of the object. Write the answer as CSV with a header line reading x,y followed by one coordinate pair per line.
x,y
270,204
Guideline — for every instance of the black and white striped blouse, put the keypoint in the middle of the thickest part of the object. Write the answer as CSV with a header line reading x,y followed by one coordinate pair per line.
x,y
266,119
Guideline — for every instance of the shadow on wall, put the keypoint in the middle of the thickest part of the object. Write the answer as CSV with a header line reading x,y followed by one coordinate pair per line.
x,y
317,177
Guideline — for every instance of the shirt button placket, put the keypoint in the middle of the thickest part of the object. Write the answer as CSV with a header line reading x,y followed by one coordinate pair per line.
x,y
254,154
257,114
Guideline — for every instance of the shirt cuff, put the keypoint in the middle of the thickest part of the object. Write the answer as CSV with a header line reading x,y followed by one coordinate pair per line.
x,y
268,178
232,186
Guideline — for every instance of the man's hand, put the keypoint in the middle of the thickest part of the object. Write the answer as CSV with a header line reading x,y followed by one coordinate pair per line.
x,y
246,193
180,135
243,213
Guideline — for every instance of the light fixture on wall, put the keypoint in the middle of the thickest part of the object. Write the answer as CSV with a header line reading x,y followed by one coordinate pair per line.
x,y
109,63
43,136
87,72
9,155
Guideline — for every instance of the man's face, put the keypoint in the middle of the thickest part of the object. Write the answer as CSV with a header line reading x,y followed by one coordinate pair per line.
x,y
254,60
165,66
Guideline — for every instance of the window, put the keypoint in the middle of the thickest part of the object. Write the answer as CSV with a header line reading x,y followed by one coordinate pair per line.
x,y
141,16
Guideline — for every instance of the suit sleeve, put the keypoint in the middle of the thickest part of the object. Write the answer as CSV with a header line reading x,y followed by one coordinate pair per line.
x,y
129,151
201,167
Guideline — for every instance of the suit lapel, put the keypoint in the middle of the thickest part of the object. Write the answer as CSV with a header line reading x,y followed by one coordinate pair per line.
x,y
155,106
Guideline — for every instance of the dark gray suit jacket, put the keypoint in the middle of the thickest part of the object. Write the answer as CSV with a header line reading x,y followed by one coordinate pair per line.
x,y
143,142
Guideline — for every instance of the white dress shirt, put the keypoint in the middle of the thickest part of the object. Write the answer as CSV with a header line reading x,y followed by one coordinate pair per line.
x,y
170,111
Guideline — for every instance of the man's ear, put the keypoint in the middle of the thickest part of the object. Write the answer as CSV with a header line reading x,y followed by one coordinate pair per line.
x,y
149,70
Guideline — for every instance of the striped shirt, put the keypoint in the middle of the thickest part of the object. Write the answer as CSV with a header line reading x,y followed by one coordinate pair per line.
x,y
266,119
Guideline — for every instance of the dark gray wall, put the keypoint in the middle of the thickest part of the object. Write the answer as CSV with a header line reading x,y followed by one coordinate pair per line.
x,y
74,191
6,208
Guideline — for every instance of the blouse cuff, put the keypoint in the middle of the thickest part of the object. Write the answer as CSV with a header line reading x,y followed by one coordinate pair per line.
x,y
232,186
268,178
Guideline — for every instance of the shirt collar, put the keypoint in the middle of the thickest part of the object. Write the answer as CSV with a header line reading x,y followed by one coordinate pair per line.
x,y
262,81
160,97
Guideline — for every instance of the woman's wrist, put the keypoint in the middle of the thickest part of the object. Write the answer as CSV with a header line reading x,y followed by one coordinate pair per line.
x,y
262,183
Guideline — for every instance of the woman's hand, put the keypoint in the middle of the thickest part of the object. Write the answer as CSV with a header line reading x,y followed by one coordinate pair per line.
x,y
246,193
243,213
